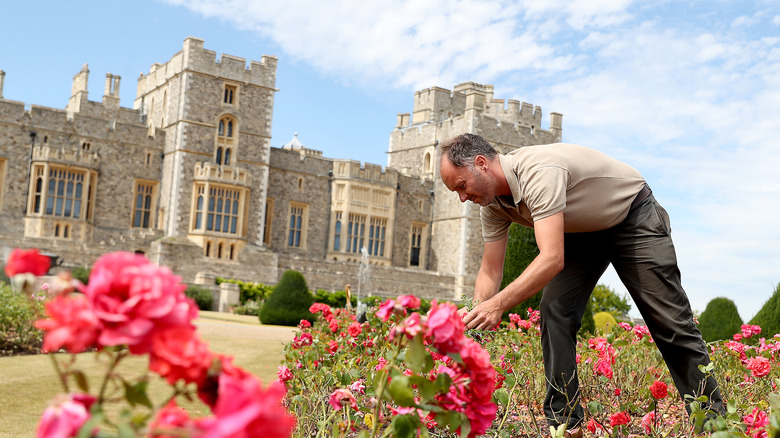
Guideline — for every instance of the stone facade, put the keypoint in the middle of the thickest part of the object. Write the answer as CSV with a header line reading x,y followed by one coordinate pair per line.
x,y
188,177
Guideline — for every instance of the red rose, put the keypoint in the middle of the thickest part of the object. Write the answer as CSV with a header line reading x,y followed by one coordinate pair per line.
x,y
354,329
27,262
178,353
71,324
759,366
619,419
659,390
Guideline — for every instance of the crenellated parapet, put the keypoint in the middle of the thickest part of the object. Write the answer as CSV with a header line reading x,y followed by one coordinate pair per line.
x,y
193,57
207,171
75,157
367,172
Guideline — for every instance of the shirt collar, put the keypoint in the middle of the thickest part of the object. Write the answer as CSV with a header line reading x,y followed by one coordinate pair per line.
x,y
512,179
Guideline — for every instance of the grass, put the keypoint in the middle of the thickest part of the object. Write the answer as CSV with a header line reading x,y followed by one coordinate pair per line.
x,y
29,383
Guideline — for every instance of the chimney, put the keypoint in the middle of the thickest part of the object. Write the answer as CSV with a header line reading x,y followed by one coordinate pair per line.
x,y
2,80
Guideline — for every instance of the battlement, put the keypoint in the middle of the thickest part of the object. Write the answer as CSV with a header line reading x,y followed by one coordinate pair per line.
x,y
76,157
437,104
193,57
373,173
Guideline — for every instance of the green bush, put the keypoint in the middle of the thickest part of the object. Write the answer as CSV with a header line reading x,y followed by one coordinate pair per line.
x,y
768,318
720,320
334,299
81,273
4,278
602,319
249,291
202,296
289,302
17,315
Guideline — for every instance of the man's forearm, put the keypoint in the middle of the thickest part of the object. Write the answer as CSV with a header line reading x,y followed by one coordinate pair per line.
x,y
486,285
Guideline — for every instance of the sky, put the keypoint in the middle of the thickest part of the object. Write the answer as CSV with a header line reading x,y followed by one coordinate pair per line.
x,y
688,92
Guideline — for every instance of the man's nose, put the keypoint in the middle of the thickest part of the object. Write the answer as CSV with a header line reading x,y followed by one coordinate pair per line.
x,y
463,197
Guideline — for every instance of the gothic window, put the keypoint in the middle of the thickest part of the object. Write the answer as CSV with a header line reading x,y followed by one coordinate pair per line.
x,y
230,94
337,233
85,146
415,245
227,157
427,164
356,227
296,234
219,155
143,204
269,214
376,236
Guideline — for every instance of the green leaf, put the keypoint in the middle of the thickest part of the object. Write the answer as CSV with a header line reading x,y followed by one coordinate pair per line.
x,y
401,391
418,359
510,380
136,394
426,388
81,380
595,407
502,396
86,429
443,381
405,426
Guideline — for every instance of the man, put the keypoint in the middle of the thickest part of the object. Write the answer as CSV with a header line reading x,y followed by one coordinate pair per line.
x,y
587,210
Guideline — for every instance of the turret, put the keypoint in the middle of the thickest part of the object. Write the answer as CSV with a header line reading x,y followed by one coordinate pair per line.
x,y
78,94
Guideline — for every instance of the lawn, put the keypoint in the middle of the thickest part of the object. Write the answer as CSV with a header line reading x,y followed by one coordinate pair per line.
x,y
29,382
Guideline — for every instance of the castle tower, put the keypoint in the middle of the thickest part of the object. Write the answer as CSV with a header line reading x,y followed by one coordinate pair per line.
x,y
439,114
216,115
78,94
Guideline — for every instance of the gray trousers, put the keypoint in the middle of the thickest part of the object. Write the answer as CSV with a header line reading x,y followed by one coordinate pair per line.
x,y
642,253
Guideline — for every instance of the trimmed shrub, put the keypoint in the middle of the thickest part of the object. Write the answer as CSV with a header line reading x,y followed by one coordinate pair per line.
x,y
602,319
768,318
289,303
720,320
202,296
334,299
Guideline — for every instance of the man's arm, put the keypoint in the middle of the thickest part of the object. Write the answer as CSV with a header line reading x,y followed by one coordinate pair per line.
x,y
549,262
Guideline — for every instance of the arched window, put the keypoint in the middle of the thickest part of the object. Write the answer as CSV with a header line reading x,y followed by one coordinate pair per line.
x,y
219,155
219,251
427,162
230,129
208,249
232,249
227,157
221,130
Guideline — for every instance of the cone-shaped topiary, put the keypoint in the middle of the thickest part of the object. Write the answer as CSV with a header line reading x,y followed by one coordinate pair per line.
x,y
289,302
768,318
720,320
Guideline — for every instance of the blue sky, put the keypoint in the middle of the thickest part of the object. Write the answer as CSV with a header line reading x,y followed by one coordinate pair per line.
x,y
688,92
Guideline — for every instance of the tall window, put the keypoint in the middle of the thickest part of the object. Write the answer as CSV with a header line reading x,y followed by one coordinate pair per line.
x,y
225,127
296,232
217,209
416,245
355,231
376,236
269,215
230,94
337,232
142,207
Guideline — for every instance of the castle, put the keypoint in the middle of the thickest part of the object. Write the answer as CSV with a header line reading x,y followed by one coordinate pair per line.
x,y
189,178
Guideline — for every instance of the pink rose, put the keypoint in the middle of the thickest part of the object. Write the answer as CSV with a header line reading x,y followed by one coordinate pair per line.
x,y
333,326
284,374
358,386
385,310
244,410
445,327
178,353
756,423
66,417
133,297
342,397
604,368
624,325
648,422
759,366
29,261
408,301
659,390
71,324
173,422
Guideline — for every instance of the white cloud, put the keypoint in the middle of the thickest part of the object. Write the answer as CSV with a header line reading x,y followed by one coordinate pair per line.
x,y
693,104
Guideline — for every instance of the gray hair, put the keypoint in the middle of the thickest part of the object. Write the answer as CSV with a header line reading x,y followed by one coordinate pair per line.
x,y
462,150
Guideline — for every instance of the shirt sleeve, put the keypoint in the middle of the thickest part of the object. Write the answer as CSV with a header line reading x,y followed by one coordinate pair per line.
x,y
495,223
544,191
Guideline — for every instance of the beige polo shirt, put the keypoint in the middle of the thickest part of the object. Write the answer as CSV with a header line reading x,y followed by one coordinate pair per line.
x,y
593,190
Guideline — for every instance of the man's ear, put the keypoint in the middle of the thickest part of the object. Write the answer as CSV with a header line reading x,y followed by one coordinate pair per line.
x,y
480,162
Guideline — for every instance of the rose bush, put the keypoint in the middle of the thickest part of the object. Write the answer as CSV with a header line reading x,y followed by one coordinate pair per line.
x,y
133,307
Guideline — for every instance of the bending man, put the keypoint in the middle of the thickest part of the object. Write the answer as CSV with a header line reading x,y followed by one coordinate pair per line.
x,y
587,210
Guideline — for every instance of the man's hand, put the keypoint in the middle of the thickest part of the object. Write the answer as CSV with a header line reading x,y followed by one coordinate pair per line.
x,y
485,316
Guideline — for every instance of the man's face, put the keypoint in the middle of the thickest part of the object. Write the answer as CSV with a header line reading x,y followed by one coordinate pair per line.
x,y
471,183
